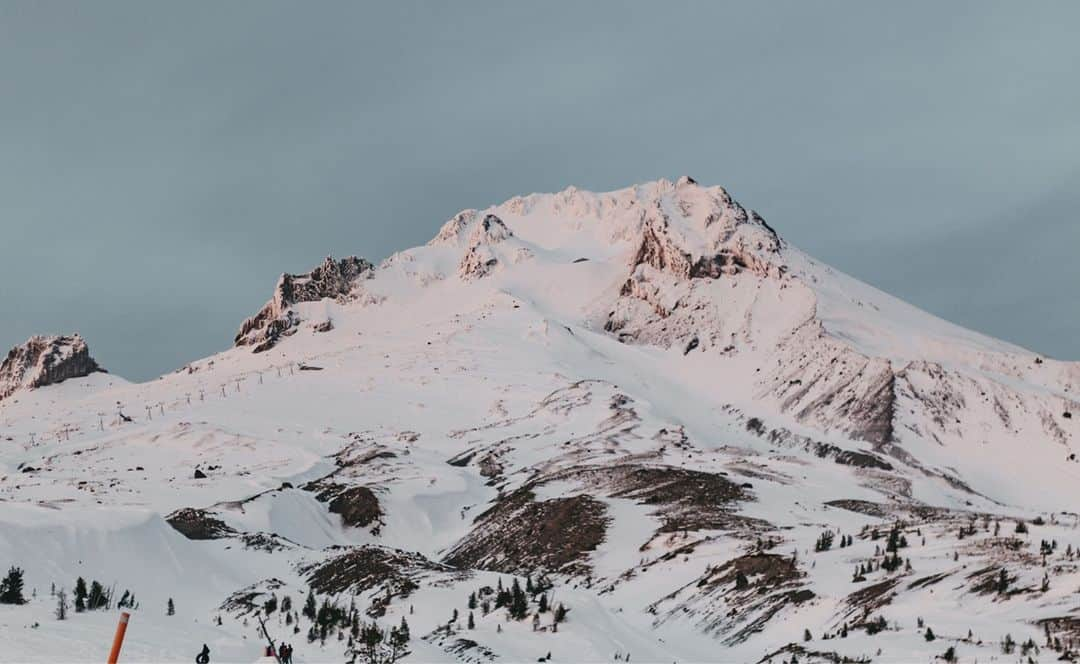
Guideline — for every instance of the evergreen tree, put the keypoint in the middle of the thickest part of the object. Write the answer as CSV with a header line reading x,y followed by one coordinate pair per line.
x,y
472,600
309,606
80,595
170,608
560,613
96,599
543,603
502,596
61,605
11,587
403,630
741,582
472,622
286,604
270,605
929,636
519,604
806,635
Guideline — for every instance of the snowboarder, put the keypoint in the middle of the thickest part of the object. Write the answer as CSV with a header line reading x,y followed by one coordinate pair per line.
x,y
204,656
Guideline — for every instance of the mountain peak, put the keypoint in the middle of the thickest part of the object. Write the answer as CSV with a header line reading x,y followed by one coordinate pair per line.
x,y
45,360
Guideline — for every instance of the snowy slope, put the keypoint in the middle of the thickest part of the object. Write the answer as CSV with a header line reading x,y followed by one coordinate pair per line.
x,y
646,397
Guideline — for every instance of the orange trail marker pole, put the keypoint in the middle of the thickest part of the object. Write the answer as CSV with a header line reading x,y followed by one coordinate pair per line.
x,y
118,640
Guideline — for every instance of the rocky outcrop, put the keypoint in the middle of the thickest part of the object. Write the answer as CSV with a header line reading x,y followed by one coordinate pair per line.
x,y
196,524
333,279
480,259
520,535
45,361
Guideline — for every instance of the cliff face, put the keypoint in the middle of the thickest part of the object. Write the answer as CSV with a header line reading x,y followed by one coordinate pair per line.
x,y
45,361
333,279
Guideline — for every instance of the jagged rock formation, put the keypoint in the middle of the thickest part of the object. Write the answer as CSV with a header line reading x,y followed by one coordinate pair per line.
x,y
333,279
45,361
480,259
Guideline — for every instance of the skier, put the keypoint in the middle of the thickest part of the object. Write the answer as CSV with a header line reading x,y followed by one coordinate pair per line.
x,y
204,656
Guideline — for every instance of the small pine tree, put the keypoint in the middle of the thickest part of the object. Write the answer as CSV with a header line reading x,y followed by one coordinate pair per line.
x,y
170,608
472,622
1008,645
543,603
929,636
270,605
950,655
11,587
309,606
80,595
741,582
96,599
806,635
61,605
519,604
560,613
472,600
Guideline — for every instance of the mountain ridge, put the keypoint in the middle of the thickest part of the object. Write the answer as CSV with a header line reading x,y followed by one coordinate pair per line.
x,y
644,400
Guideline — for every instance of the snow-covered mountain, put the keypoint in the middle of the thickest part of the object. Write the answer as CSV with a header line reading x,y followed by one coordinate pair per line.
x,y
643,405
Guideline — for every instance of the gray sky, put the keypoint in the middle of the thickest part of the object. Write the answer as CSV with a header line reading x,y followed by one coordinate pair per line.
x,y
161,163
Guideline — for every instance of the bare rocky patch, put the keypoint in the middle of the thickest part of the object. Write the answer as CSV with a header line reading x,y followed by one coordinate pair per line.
x,y
522,535
196,524
394,573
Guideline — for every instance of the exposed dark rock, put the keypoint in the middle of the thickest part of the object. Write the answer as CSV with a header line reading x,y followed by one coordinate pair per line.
x,y
521,535
199,474
333,279
851,457
196,524
771,582
45,361
394,572
267,542
871,598
357,506
685,499
866,507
